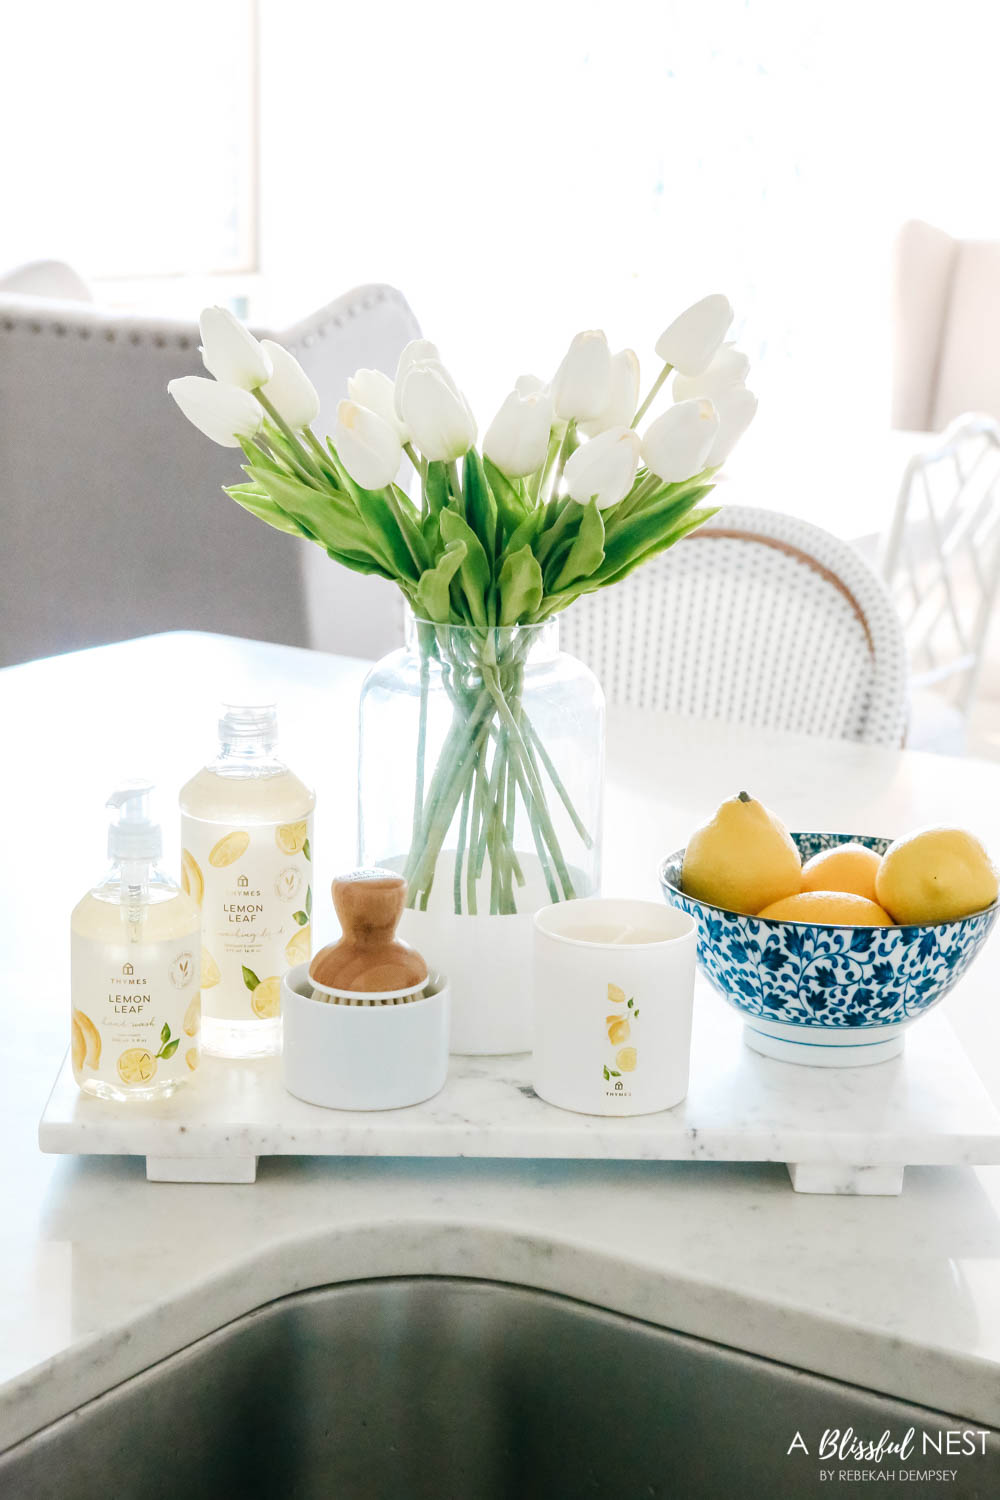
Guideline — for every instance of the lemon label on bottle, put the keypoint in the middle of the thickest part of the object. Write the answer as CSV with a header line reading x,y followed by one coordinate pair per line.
x,y
254,885
136,1010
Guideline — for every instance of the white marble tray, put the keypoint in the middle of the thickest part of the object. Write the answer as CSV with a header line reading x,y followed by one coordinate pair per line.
x,y
850,1130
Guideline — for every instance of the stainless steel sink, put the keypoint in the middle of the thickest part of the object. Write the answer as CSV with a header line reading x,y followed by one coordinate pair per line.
x,y
432,1389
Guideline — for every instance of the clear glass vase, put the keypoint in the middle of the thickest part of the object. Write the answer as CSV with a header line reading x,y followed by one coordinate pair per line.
x,y
481,777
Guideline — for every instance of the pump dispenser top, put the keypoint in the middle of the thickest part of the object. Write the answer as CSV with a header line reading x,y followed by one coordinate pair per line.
x,y
133,836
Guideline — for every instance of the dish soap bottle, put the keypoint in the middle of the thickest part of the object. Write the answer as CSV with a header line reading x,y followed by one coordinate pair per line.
x,y
136,1010
246,831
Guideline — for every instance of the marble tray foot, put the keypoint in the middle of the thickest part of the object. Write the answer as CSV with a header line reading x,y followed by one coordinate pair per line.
x,y
881,1181
201,1168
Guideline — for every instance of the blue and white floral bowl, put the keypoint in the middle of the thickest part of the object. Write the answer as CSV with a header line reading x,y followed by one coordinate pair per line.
x,y
825,995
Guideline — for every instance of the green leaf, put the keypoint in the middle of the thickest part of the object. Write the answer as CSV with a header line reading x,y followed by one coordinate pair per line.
x,y
480,506
436,486
607,1075
615,1073
511,506
328,515
259,504
586,554
528,530
307,851
169,1050
433,593
630,1005
165,1033
250,978
309,899
521,587
474,570
636,1011
300,917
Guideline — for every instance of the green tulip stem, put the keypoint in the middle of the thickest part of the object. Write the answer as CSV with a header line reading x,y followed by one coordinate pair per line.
x,y
306,459
654,390
418,461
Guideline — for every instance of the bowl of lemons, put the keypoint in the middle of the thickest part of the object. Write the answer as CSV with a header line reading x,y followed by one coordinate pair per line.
x,y
831,944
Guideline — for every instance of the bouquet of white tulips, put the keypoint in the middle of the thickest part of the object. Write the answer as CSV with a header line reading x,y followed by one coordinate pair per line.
x,y
566,497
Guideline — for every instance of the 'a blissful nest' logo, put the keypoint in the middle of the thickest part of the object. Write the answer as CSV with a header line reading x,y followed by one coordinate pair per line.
x,y
914,1456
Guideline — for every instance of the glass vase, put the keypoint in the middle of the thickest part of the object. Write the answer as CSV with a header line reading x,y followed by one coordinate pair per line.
x,y
480,778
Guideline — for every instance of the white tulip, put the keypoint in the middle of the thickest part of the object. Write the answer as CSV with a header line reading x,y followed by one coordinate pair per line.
x,y
517,439
230,352
582,384
691,341
224,413
730,366
436,414
375,390
736,407
624,396
289,390
417,352
604,468
529,385
367,446
676,446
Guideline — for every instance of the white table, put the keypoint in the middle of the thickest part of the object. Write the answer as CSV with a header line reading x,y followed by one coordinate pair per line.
x,y
102,1273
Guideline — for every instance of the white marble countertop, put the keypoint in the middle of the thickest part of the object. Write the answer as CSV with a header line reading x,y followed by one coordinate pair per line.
x,y
102,1273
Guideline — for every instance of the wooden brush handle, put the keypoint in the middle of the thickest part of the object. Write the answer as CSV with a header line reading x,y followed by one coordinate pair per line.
x,y
369,905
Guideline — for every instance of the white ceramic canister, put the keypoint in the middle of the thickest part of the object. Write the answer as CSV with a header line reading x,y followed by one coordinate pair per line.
x,y
613,985
364,1056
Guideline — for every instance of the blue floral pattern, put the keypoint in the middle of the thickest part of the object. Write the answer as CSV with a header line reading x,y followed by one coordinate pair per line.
x,y
821,976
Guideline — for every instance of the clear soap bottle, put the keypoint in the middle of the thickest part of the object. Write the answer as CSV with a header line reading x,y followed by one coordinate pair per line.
x,y
246,832
135,945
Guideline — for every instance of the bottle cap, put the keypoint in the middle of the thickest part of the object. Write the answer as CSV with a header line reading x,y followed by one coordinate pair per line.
x,y
133,835
245,726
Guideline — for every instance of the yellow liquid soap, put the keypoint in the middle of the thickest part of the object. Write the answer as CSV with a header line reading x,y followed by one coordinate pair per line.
x,y
135,1022
247,860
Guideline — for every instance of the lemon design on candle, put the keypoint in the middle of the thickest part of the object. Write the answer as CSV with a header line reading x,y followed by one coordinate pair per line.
x,y
619,1027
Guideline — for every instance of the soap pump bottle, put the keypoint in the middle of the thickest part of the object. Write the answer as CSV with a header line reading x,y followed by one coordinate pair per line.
x,y
247,859
135,966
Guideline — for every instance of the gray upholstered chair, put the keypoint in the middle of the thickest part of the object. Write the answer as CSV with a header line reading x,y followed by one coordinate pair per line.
x,y
113,520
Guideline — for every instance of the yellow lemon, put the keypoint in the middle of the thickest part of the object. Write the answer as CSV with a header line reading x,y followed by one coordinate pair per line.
x,y
192,1058
228,850
626,1059
266,998
742,859
936,875
77,1045
291,837
616,994
91,1038
136,1065
299,946
832,908
847,867
210,974
192,880
192,1017
618,1031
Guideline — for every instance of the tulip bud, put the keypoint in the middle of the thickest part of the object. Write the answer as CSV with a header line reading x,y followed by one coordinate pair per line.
x,y
736,407
529,385
367,446
676,446
230,352
517,439
582,384
289,390
604,468
436,413
730,366
376,391
224,413
417,352
624,397
690,343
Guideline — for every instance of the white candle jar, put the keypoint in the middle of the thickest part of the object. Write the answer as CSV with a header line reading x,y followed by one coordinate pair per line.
x,y
613,992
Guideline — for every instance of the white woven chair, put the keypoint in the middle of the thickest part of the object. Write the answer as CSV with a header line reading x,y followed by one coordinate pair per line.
x,y
942,565
757,618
